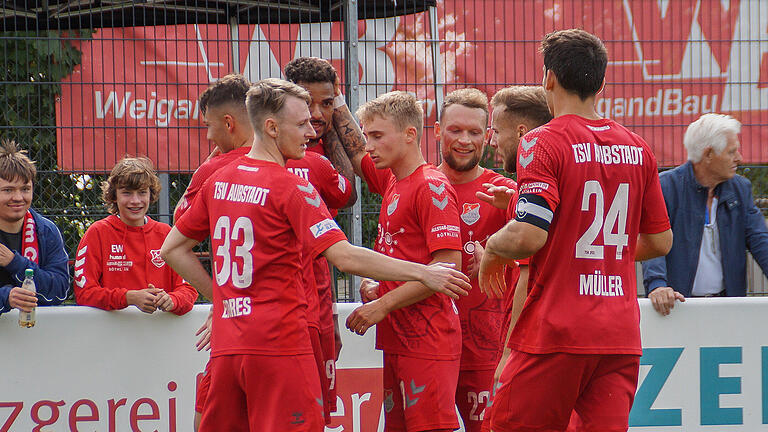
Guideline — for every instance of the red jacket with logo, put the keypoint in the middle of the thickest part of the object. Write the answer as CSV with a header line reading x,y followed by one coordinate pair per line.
x,y
113,257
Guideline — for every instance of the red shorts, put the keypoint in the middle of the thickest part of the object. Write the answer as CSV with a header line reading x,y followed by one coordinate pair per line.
x,y
419,393
282,391
539,392
203,384
328,343
486,424
472,394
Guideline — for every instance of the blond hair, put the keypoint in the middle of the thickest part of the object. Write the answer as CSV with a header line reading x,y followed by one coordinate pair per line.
x,y
267,97
402,108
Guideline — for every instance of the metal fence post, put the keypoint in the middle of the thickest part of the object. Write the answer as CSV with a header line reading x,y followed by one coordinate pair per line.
x,y
353,100
164,202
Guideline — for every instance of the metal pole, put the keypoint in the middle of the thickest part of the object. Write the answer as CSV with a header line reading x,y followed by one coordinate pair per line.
x,y
234,32
164,202
439,82
353,101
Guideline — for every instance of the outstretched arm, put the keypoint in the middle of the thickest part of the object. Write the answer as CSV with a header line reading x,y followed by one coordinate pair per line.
x,y
406,294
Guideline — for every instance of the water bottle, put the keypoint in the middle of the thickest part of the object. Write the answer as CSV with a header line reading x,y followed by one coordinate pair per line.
x,y
27,319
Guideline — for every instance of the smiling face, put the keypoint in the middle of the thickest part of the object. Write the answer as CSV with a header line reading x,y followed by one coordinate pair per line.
x,y
15,199
462,133
132,205
321,107
293,128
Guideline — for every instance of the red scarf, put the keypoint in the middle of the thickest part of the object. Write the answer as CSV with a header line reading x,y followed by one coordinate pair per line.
x,y
29,245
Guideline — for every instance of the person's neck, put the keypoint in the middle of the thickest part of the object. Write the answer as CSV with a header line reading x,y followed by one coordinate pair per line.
x,y
566,103
460,177
266,150
244,141
11,227
705,178
406,166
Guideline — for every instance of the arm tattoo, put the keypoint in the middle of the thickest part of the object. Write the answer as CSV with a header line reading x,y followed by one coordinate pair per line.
x,y
340,161
349,132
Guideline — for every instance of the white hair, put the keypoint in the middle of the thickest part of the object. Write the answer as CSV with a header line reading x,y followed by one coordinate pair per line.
x,y
709,131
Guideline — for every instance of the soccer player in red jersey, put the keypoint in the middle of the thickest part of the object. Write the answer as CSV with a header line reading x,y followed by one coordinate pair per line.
x,y
589,205
263,376
228,128
334,189
419,333
515,111
462,132
320,79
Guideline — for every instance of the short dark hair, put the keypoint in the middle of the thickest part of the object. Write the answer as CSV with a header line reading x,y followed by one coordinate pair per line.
x,y
310,70
15,164
525,102
577,58
134,173
468,97
229,90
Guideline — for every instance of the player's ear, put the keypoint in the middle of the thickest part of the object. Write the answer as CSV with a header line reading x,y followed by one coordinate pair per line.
x,y
549,80
411,134
521,130
229,122
602,87
271,128
437,131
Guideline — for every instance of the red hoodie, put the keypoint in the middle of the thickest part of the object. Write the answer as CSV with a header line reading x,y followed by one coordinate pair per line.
x,y
113,258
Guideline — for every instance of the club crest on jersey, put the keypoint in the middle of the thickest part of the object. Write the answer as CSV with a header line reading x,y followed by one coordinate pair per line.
x,y
156,259
389,401
393,205
470,213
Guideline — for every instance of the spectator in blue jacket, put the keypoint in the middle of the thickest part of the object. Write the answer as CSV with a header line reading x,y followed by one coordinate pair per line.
x,y
27,240
714,220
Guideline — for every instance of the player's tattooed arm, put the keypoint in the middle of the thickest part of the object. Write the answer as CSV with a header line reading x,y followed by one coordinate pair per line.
x,y
350,136
340,161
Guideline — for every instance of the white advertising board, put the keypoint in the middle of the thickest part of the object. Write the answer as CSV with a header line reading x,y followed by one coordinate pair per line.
x,y
705,368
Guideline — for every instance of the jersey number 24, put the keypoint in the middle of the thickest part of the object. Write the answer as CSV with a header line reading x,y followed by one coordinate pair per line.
x,y
613,224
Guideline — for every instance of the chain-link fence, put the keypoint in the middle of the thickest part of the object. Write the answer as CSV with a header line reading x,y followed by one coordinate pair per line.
x,y
82,84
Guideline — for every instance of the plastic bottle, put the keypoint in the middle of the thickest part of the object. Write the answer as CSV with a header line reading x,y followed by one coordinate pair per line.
x,y
27,319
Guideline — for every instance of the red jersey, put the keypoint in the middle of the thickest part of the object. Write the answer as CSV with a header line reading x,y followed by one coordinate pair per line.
x,y
335,190
114,258
594,186
418,217
318,148
202,173
481,317
260,218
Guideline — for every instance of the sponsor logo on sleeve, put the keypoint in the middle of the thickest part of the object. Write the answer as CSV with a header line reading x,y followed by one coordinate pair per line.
x,y
533,188
323,227
444,230
342,183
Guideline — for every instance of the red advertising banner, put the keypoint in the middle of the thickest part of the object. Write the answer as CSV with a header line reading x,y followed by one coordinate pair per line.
x,y
670,62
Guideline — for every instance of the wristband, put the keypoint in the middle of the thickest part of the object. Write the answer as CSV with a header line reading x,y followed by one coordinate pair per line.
x,y
339,101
